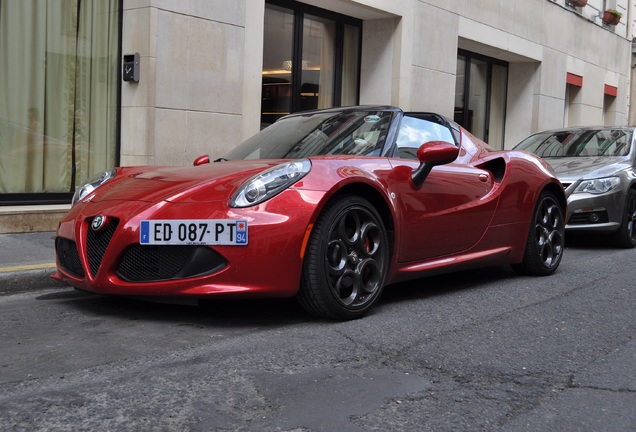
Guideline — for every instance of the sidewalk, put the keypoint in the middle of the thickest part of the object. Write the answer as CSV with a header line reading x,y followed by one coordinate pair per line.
x,y
27,261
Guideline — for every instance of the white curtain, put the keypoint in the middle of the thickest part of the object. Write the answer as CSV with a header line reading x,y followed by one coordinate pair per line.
x,y
95,107
22,86
58,90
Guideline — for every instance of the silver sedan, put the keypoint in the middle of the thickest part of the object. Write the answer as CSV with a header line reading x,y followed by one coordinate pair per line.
x,y
596,166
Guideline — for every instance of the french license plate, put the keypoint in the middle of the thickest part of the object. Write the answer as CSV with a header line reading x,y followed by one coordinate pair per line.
x,y
193,232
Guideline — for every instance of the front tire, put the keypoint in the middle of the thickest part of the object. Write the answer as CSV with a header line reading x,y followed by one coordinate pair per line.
x,y
346,260
626,234
545,244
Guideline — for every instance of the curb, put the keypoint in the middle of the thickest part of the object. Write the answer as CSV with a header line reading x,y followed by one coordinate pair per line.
x,y
27,278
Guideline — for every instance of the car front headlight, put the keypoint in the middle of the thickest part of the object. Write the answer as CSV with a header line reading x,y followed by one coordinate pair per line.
x,y
598,186
269,183
91,184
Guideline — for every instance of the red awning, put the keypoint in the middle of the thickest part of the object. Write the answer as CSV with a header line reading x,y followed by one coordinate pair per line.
x,y
610,90
575,80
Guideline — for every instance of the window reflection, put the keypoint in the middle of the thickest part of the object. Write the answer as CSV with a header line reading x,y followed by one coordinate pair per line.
x,y
321,71
277,63
360,133
415,131
580,143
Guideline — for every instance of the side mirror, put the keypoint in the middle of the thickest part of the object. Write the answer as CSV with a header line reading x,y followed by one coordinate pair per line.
x,y
431,154
202,160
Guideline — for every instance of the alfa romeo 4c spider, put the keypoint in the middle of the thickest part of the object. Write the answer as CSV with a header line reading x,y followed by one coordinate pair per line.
x,y
328,206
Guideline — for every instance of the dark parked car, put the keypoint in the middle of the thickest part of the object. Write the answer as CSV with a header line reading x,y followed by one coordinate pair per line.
x,y
596,167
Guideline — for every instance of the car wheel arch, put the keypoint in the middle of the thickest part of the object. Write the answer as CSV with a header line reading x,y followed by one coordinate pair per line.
x,y
558,192
347,258
544,243
375,197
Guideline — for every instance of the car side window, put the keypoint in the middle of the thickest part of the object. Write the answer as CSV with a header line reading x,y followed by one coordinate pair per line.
x,y
415,131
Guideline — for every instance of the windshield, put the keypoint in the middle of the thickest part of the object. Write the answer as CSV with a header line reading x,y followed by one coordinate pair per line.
x,y
358,132
579,143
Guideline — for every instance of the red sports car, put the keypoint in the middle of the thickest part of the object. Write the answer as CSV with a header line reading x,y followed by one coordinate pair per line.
x,y
328,206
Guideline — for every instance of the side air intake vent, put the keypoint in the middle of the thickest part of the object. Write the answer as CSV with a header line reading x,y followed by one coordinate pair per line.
x,y
497,167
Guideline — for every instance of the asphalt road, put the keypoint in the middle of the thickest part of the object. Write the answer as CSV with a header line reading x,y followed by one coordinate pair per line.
x,y
477,351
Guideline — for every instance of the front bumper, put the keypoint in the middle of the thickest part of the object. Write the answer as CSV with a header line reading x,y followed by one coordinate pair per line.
x,y
588,212
113,262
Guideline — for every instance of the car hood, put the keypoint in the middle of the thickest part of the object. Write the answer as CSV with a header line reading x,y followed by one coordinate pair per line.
x,y
206,183
569,169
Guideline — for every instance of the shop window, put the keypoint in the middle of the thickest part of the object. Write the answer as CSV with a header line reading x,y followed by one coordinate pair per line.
x,y
58,96
311,59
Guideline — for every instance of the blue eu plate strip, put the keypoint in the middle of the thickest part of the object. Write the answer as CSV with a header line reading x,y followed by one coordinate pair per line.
x,y
144,235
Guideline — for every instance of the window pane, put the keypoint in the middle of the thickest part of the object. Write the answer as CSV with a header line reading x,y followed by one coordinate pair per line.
x,y
460,77
497,106
460,114
310,60
350,62
58,90
319,39
361,133
96,79
277,63
477,98
414,132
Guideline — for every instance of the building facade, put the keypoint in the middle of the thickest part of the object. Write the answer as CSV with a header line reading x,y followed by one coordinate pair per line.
x,y
128,82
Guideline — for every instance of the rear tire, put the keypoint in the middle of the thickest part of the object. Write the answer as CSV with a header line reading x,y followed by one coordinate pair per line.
x,y
346,260
545,244
626,235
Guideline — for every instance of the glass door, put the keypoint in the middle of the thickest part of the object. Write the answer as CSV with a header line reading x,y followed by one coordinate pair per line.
x,y
480,96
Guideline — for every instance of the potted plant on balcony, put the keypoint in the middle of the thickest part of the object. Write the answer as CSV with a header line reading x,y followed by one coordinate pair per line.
x,y
611,16
577,3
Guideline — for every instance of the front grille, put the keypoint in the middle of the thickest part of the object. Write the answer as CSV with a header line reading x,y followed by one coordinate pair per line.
x,y
68,257
97,242
587,218
158,263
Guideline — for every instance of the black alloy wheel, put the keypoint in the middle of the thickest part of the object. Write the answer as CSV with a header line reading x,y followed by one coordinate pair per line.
x,y
545,244
346,260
